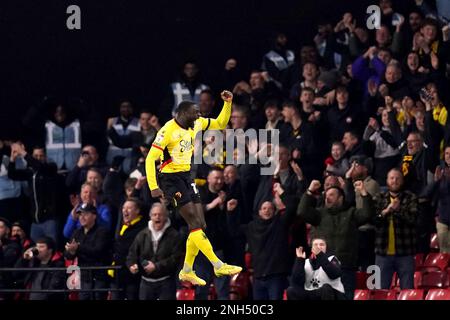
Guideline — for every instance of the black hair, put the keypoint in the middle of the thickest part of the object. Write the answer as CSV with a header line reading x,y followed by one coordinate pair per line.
x,y
339,189
136,201
48,241
184,106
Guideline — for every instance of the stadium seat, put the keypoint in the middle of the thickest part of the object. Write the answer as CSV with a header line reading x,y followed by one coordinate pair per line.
x,y
411,294
186,285
433,279
248,260
434,243
438,294
419,260
382,294
436,261
239,286
361,295
212,294
394,283
417,280
185,294
361,279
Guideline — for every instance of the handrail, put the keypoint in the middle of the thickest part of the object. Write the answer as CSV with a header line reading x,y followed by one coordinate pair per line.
x,y
61,268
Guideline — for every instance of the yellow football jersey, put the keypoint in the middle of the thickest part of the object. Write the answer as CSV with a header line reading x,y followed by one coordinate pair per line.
x,y
174,145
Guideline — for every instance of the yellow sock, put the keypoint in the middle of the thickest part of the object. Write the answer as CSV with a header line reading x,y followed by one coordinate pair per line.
x,y
199,238
191,253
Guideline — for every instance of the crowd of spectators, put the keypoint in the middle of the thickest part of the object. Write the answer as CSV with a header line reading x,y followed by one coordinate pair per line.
x,y
363,166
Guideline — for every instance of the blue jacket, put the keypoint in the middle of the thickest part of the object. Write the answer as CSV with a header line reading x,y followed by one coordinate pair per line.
x,y
103,219
8,187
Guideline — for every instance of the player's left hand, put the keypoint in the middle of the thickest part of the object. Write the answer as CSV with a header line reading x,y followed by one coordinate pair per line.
x,y
226,96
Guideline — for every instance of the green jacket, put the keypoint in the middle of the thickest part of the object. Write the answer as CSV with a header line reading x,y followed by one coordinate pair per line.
x,y
339,226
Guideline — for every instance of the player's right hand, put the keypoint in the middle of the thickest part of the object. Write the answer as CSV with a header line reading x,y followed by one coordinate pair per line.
x,y
157,193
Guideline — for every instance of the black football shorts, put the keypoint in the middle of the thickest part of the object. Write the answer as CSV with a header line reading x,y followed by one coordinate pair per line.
x,y
179,188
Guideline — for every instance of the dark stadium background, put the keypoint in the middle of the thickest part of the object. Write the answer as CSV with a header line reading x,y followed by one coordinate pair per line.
x,y
133,48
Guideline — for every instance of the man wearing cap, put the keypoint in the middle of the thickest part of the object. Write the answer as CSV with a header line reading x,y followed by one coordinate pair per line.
x,y
90,244
18,231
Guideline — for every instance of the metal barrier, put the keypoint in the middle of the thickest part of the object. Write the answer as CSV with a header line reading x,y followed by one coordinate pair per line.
x,y
65,269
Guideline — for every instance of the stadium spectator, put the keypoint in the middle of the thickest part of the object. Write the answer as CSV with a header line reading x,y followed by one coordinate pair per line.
x,y
18,230
267,237
395,227
43,255
318,277
88,194
156,253
188,86
339,223
123,125
214,200
132,223
46,190
90,244
89,158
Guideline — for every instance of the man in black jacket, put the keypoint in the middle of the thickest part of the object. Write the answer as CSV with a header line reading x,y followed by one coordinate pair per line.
x,y
417,164
91,245
46,189
157,254
318,277
213,199
132,224
267,237
10,251
44,255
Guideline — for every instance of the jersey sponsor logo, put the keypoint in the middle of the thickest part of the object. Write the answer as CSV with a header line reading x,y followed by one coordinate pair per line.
x,y
185,145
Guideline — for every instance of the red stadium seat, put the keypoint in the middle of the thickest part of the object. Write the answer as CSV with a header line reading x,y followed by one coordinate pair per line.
x,y
248,260
419,260
361,280
212,294
433,279
394,282
438,294
436,261
411,294
239,286
434,243
186,285
383,294
185,294
361,295
417,281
